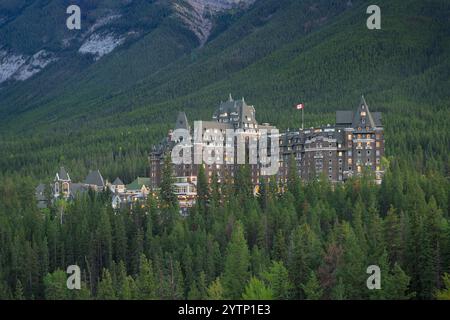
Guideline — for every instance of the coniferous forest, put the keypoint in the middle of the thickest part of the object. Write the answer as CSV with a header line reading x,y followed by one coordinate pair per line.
x,y
312,241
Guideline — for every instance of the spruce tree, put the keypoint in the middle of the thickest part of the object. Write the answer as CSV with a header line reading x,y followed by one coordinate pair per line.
x,y
215,290
105,290
145,281
312,289
277,279
256,290
237,263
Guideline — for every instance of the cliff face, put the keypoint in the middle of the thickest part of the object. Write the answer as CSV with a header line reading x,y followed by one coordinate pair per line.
x,y
198,15
30,41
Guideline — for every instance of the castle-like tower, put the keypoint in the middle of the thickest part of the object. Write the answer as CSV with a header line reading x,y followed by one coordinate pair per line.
x,y
353,143
234,115
338,152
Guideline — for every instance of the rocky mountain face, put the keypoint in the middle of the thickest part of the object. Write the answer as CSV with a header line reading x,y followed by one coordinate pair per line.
x,y
199,14
33,33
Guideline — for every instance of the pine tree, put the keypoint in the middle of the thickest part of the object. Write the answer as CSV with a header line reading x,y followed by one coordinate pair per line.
x,y
105,289
311,288
18,294
202,190
338,292
104,239
277,279
146,282
215,290
294,183
328,268
304,255
123,290
392,235
352,271
394,281
56,286
168,197
256,290
187,266
119,238
237,263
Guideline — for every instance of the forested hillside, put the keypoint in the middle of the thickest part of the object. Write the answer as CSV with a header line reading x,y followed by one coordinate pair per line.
x,y
311,242
275,55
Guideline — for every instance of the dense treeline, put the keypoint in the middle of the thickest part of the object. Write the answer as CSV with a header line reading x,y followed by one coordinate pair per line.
x,y
312,241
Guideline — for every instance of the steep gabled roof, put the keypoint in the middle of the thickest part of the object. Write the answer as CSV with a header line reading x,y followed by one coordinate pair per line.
x,y
94,178
117,182
235,111
62,174
363,117
77,189
40,192
182,121
356,119
378,118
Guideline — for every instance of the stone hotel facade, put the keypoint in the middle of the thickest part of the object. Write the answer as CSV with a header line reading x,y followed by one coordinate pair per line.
x,y
340,151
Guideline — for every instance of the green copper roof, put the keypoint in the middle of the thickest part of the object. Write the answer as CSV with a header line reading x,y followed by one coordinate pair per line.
x,y
138,183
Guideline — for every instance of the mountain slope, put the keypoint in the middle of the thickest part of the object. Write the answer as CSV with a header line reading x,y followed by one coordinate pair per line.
x,y
276,53
121,81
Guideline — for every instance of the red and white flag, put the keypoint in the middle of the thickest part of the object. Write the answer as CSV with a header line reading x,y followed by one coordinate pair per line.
x,y
300,106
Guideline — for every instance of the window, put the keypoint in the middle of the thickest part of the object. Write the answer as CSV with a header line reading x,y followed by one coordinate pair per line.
x,y
349,137
350,161
378,144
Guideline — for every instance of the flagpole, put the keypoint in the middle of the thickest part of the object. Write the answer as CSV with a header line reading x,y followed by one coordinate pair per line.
x,y
303,119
